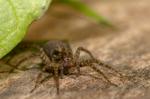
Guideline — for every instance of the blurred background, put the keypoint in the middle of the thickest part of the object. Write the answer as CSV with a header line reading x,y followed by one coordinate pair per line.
x,y
65,20
78,20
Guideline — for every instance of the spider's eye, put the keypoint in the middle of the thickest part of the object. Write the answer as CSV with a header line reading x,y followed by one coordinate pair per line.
x,y
57,55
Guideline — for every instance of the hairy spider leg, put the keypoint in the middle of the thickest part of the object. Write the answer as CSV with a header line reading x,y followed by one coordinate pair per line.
x,y
77,55
44,57
100,72
55,67
61,71
15,67
93,59
90,63
37,82
40,81
56,77
46,61
107,66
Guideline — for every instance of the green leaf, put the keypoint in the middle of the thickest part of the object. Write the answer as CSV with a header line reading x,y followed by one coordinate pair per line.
x,y
15,18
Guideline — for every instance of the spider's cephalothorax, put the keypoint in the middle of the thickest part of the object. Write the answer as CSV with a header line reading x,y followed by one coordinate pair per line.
x,y
58,53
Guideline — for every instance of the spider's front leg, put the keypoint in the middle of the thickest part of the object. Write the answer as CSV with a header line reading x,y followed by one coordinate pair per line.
x,y
77,55
53,68
92,65
92,60
56,76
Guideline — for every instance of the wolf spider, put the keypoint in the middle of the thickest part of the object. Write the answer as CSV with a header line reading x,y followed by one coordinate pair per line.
x,y
58,58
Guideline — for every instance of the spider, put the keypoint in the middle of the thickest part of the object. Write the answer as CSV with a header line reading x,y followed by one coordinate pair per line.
x,y
58,58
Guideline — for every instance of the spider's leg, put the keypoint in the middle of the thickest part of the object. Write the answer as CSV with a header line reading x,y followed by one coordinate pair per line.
x,y
78,51
93,60
77,54
109,67
61,71
13,68
24,59
46,61
100,72
90,63
56,77
39,81
44,57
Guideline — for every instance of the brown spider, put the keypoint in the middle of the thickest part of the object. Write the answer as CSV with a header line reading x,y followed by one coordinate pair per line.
x,y
58,58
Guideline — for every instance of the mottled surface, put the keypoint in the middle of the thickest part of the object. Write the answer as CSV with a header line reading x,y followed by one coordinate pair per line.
x,y
127,50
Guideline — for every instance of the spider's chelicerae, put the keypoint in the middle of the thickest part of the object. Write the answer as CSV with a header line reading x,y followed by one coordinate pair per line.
x,y
58,59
